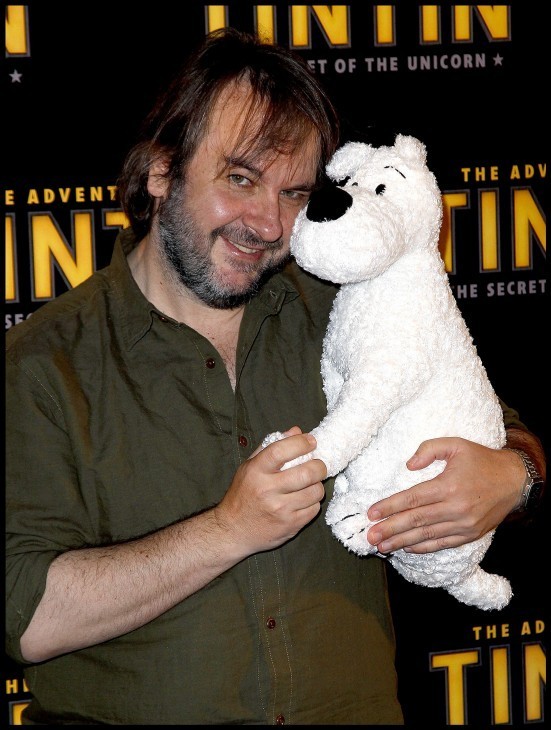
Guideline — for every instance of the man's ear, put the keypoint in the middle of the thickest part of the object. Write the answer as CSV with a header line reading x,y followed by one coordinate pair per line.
x,y
157,182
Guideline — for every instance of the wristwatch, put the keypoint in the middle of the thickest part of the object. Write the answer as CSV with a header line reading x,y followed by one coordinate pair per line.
x,y
533,484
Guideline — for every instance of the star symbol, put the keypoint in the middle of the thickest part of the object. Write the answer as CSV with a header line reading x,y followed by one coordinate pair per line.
x,y
16,77
498,60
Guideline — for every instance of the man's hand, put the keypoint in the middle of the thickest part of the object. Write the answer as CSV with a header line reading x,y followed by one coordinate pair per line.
x,y
476,491
138,580
266,505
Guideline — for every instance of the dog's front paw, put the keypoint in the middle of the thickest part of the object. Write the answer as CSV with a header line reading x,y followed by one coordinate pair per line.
x,y
349,523
277,436
271,438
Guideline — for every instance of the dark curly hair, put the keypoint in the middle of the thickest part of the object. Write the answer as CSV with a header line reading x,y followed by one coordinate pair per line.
x,y
292,100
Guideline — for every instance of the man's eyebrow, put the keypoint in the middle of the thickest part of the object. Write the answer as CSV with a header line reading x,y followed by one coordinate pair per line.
x,y
238,161
233,161
307,187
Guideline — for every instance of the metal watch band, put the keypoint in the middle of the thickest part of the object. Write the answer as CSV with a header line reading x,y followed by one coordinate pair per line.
x,y
532,477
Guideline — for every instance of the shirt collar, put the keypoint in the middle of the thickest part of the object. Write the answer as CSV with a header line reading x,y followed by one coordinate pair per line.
x,y
136,312
133,309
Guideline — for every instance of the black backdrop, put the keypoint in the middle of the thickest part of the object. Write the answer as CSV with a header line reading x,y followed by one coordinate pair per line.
x,y
471,85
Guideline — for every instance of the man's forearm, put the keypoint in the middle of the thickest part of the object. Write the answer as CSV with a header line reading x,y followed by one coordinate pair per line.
x,y
95,594
517,438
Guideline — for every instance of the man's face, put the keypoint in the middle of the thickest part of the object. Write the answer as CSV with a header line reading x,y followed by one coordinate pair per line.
x,y
228,225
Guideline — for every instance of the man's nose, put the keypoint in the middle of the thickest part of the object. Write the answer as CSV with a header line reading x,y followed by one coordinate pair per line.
x,y
264,218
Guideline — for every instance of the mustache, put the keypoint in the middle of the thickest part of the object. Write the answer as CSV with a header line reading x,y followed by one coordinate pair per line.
x,y
246,237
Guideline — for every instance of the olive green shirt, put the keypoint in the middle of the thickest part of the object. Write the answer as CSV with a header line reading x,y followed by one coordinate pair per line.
x,y
122,421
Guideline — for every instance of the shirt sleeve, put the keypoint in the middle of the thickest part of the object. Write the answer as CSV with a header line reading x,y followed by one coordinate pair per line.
x,y
511,418
45,513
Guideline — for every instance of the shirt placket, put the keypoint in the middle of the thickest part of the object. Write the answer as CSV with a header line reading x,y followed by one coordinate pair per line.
x,y
266,579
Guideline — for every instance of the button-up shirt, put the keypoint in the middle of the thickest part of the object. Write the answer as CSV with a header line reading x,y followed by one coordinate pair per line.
x,y
123,421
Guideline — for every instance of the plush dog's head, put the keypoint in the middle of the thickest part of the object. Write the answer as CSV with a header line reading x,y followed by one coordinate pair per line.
x,y
383,203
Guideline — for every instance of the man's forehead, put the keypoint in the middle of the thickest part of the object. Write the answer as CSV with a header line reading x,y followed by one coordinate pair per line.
x,y
234,136
235,122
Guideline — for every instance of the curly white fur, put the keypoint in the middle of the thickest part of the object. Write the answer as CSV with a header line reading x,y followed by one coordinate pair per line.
x,y
398,365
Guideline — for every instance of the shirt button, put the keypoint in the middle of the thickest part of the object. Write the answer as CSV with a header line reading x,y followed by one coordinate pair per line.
x,y
210,363
243,441
271,623
280,720
163,319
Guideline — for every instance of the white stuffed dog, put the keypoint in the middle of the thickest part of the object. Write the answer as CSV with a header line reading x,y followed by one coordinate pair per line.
x,y
398,364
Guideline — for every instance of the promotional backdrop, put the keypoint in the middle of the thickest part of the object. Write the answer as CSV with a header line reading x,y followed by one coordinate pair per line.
x,y
467,80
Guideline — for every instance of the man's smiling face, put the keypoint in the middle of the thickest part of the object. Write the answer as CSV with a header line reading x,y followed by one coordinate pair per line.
x,y
229,222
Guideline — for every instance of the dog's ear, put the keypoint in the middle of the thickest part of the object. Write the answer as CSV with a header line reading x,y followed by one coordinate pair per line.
x,y
411,150
347,159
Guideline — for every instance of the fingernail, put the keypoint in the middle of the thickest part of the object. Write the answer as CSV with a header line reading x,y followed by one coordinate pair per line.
x,y
375,537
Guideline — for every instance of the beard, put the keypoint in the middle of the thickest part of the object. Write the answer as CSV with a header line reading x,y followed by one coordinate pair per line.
x,y
186,250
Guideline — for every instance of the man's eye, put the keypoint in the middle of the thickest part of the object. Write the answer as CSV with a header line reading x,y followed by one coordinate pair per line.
x,y
239,179
300,196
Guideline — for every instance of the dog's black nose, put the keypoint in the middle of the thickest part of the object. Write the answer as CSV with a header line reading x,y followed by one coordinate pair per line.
x,y
328,204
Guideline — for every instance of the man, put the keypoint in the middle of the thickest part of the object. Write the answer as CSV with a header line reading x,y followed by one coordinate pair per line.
x,y
162,569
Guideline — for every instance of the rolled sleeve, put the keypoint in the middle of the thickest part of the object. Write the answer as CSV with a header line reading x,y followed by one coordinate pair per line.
x,y
43,505
511,418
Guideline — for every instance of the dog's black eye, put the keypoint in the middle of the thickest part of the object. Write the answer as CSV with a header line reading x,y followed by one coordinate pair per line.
x,y
342,183
380,189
